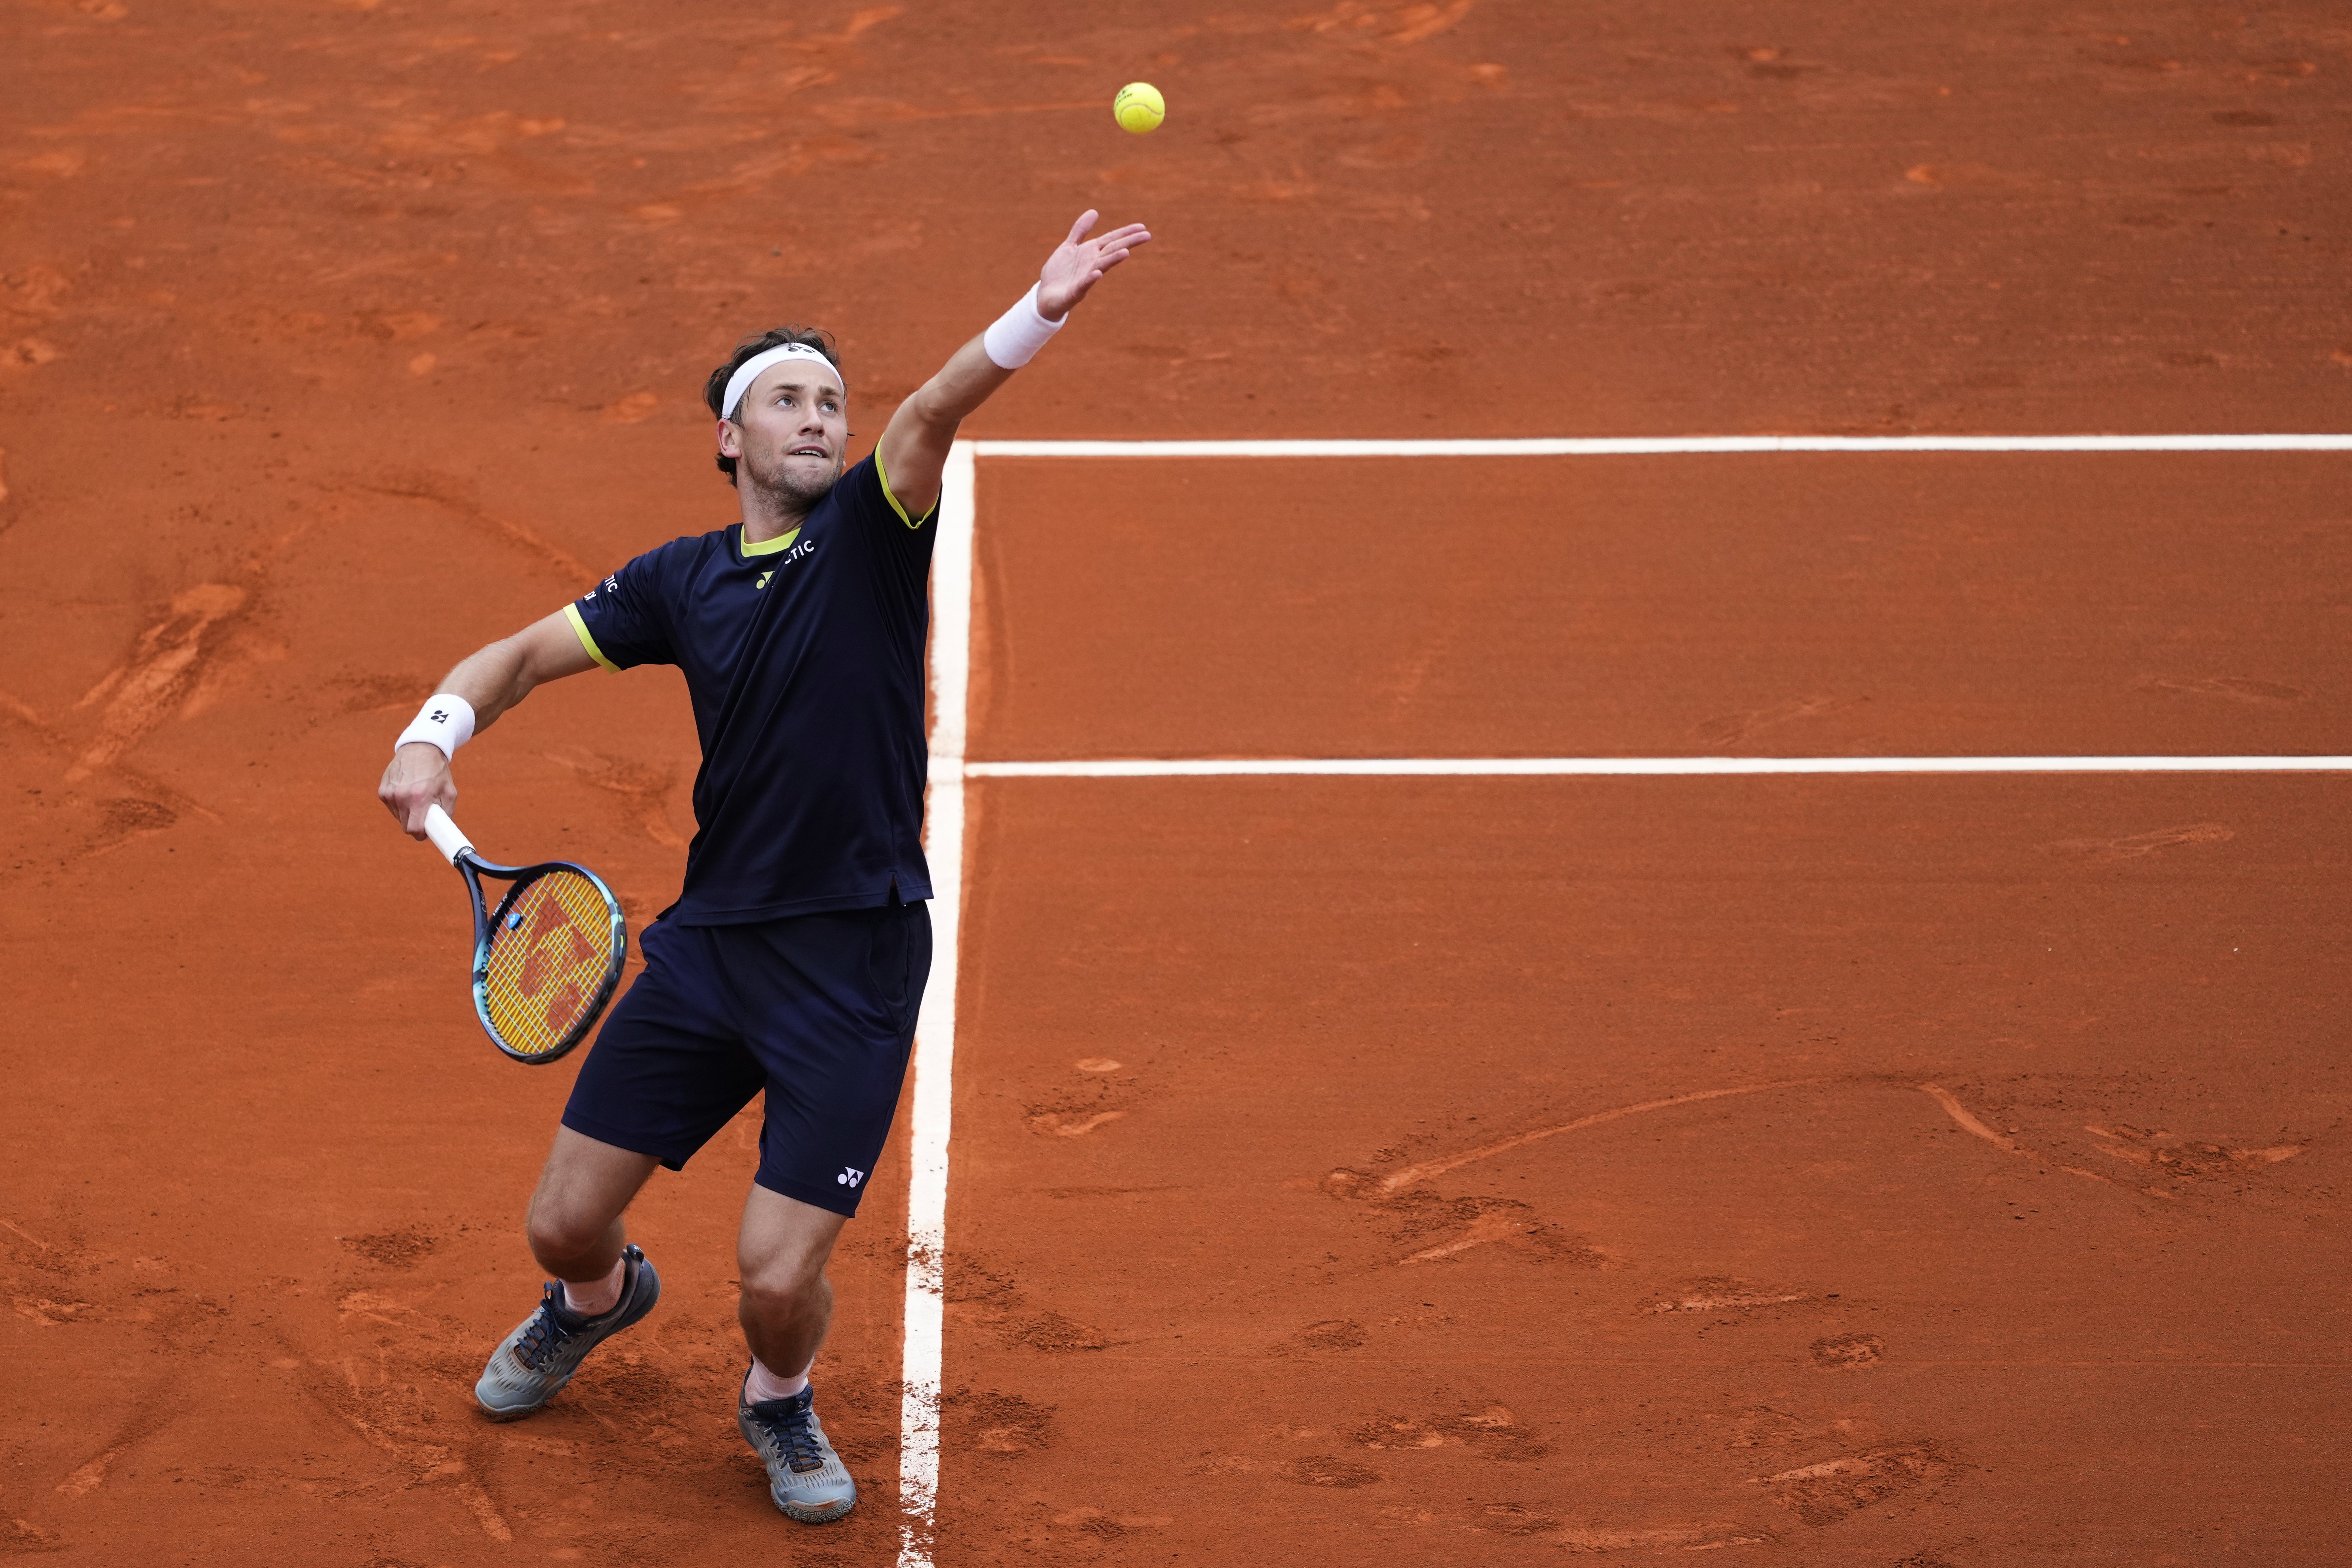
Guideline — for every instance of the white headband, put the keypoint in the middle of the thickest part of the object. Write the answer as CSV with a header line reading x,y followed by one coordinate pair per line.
x,y
749,372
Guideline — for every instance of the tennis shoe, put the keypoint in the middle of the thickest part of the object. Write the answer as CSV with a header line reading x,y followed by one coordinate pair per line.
x,y
531,1365
806,1476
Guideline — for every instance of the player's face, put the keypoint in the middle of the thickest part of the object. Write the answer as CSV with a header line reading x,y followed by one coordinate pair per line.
x,y
790,432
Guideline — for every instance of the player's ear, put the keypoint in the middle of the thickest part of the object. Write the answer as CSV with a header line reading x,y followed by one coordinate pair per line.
x,y
730,439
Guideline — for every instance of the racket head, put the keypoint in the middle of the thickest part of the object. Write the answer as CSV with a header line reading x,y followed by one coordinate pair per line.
x,y
549,960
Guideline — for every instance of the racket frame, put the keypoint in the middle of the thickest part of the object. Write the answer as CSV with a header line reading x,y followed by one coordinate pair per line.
x,y
460,854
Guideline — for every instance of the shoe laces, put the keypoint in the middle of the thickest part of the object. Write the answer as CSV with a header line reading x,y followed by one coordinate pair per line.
x,y
544,1336
793,1423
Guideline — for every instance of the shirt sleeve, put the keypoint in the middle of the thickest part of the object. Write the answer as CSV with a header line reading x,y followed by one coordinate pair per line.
x,y
869,491
624,620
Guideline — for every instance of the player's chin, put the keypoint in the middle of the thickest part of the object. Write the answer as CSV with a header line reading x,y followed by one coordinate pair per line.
x,y
805,478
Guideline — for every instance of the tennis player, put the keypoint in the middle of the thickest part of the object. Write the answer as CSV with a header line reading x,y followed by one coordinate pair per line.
x,y
796,955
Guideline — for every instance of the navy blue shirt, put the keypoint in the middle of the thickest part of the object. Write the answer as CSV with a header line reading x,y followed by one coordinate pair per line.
x,y
805,658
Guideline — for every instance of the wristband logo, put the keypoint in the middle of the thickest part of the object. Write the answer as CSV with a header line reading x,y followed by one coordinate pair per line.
x,y
439,715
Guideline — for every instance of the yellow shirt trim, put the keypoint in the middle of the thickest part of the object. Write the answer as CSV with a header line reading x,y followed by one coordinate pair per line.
x,y
895,504
580,629
769,546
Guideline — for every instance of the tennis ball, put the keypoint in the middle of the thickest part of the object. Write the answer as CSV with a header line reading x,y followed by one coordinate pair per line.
x,y
1138,108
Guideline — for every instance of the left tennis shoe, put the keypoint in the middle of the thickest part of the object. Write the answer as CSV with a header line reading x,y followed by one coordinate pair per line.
x,y
805,1478
531,1365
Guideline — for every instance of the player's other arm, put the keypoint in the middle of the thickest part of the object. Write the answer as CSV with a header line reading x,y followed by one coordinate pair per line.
x,y
914,449
492,680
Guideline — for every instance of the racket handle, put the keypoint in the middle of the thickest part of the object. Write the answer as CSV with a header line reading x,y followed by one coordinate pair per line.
x,y
445,835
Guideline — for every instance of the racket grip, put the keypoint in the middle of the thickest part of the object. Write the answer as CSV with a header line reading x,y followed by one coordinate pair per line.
x,y
445,835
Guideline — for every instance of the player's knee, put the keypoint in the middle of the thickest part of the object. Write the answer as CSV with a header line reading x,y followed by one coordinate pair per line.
x,y
558,1230
782,1288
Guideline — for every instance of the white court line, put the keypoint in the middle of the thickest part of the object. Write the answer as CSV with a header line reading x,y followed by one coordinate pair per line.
x,y
1606,767
927,1185
1644,446
918,1410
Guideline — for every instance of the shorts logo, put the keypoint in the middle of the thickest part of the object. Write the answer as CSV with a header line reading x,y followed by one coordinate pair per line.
x,y
850,1176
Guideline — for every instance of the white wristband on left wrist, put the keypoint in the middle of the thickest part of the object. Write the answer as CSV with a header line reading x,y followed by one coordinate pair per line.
x,y
446,721
1014,339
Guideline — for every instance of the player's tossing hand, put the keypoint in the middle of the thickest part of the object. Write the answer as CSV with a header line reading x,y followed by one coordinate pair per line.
x,y
416,777
1079,263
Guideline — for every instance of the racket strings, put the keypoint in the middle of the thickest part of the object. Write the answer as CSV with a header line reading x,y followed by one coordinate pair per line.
x,y
551,953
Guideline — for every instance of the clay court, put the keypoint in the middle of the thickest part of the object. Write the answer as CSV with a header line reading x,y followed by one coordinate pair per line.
x,y
1906,1169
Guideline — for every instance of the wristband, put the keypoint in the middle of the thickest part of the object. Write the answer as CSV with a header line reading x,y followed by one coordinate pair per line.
x,y
446,721
1014,339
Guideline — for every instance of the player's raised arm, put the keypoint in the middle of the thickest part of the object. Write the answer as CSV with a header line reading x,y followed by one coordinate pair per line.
x,y
914,449
484,685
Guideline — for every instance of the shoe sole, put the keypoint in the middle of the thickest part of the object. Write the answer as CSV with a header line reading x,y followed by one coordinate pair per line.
x,y
814,1515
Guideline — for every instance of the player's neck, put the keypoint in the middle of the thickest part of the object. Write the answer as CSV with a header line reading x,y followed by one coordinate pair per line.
x,y
770,514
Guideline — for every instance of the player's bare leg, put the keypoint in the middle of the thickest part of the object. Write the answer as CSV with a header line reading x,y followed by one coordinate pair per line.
x,y
601,1284
574,1225
780,1253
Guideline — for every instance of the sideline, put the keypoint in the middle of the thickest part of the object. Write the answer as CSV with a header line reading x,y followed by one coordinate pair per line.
x,y
934,1064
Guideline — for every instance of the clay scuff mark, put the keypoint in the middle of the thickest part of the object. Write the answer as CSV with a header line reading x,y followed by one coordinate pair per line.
x,y
92,1473
1061,1126
428,1462
643,789
163,673
2182,1156
1717,1293
456,498
2237,688
1824,1493
1429,1169
2142,844
1684,1537
1731,727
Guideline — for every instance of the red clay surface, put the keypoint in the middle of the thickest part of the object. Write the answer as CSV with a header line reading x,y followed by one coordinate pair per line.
x,y
337,338
1644,606
1213,1029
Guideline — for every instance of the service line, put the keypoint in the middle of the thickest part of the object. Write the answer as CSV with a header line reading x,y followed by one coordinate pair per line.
x,y
1661,446
1607,767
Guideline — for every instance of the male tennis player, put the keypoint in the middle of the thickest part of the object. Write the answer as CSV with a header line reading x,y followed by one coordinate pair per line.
x,y
796,953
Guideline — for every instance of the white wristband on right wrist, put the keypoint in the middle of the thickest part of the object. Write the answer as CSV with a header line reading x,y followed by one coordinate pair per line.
x,y
446,721
1014,339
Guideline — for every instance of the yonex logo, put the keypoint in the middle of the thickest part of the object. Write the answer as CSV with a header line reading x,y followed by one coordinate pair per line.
x,y
439,715
763,580
850,1176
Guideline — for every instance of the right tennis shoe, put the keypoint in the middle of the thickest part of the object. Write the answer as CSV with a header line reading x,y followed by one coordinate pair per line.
x,y
531,1365
806,1479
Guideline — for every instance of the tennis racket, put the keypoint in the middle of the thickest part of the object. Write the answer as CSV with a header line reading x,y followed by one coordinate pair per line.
x,y
547,958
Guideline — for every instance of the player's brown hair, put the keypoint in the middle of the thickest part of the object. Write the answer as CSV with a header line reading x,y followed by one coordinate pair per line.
x,y
714,390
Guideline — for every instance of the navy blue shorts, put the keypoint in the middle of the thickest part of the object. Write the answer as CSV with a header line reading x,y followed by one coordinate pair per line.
x,y
817,1010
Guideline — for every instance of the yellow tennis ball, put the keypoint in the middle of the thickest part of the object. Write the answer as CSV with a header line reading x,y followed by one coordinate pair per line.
x,y
1138,108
